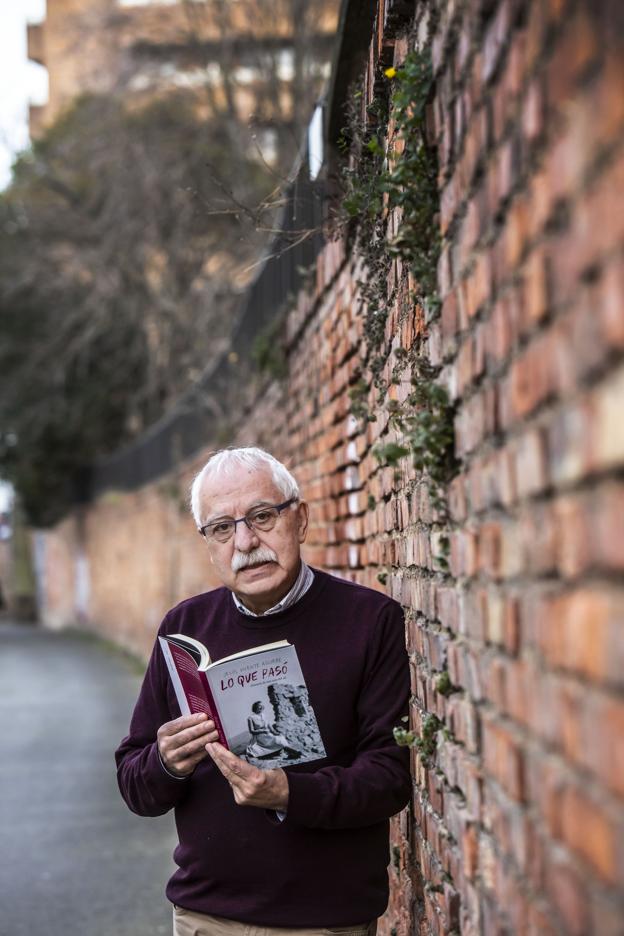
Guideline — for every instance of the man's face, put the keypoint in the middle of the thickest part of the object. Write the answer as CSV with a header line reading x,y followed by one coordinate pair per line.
x,y
260,585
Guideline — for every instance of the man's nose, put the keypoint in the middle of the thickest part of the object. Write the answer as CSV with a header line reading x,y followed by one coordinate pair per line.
x,y
245,539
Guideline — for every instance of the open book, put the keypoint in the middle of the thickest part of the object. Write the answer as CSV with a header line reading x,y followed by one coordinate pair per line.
x,y
257,699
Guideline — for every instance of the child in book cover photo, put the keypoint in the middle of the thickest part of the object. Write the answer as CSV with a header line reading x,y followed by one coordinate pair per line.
x,y
279,729
266,741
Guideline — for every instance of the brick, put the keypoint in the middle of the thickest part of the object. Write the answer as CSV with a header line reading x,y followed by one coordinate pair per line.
x,y
540,922
494,40
494,611
531,466
610,303
578,631
495,672
479,284
490,549
503,757
545,786
487,862
531,377
501,177
464,366
579,348
471,424
573,526
600,718
464,560
568,442
533,111
568,893
502,477
606,531
464,669
457,499
612,71
470,850
522,693
511,625
574,54
595,218
607,439
539,539
606,914
512,558
498,334
536,286
543,206
588,829
516,231
463,722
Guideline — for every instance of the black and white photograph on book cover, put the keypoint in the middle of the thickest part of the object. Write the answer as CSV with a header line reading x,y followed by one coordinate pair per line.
x,y
280,728
265,708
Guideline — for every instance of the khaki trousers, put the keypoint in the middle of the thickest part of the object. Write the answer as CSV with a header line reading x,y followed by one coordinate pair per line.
x,y
189,923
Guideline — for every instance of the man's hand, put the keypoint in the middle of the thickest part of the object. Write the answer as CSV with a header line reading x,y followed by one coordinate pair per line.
x,y
251,786
182,742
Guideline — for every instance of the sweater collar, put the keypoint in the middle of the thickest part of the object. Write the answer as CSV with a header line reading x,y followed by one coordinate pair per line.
x,y
302,584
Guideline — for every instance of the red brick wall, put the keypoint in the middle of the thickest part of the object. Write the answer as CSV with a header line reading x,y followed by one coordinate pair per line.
x,y
517,825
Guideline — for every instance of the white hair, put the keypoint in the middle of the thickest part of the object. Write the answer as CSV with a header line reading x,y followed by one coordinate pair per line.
x,y
248,456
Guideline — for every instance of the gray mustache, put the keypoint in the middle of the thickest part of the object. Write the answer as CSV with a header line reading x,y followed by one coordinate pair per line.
x,y
243,560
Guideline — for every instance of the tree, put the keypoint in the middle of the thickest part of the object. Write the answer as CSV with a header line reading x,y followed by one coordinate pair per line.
x,y
133,226
121,264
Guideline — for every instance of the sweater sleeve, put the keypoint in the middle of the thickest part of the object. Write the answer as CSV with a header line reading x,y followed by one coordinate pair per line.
x,y
377,784
146,786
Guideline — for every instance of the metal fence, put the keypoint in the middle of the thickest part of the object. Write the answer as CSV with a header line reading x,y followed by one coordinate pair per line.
x,y
195,419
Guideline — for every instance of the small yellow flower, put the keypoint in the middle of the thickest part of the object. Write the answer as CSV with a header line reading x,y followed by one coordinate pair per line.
x,y
390,72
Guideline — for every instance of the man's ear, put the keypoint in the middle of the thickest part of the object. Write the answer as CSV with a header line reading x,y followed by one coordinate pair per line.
x,y
303,515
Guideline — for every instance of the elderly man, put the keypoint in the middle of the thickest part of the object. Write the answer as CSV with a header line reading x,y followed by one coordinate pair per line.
x,y
304,848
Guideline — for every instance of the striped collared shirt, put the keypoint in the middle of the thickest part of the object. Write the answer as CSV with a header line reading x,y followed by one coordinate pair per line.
x,y
304,580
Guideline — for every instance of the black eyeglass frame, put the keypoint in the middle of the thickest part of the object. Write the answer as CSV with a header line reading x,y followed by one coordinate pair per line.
x,y
246,519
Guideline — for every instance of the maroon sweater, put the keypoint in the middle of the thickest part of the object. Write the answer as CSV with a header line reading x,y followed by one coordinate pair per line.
x,y
326,864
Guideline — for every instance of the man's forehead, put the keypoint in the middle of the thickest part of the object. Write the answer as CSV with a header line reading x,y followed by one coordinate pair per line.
x,y
237,486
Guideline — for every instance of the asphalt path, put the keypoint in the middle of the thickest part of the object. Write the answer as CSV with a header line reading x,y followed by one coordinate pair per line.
x,y
74,861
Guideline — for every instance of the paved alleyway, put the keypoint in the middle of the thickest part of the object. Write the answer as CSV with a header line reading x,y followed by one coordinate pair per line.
x,y
73,860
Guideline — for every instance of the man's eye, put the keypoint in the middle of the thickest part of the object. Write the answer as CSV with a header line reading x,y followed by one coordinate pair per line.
x,y
222,527
261,516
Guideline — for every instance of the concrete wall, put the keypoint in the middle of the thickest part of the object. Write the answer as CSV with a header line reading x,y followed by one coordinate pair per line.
x,y
516,826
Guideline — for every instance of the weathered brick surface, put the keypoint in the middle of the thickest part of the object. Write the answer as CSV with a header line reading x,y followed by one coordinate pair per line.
x,y
517,824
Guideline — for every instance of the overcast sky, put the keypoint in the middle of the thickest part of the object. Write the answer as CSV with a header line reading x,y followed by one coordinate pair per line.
x,y
21,82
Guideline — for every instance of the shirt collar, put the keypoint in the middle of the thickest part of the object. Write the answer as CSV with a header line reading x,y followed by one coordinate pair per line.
x,y
302,584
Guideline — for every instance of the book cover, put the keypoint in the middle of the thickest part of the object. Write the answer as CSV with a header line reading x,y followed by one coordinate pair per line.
x,y
258,699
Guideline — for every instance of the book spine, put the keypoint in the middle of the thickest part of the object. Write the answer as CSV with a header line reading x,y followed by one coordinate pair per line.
x,y
191,686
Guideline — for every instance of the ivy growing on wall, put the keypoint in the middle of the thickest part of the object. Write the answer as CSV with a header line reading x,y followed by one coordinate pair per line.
x,y
391,177
391,210
426,742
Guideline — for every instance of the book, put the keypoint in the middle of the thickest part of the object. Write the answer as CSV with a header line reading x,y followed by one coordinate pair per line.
x,y
257,698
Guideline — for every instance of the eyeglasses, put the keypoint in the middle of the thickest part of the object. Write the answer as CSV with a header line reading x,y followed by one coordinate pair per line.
x,y
260,518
